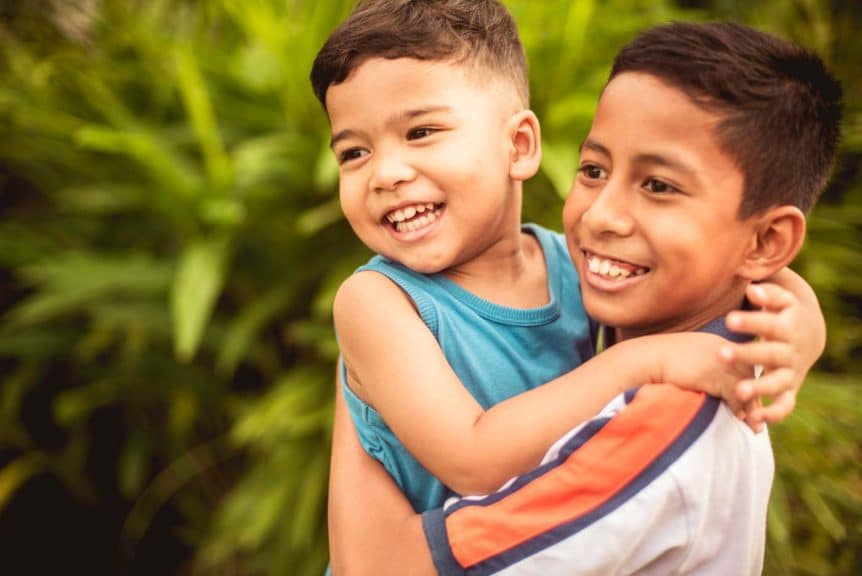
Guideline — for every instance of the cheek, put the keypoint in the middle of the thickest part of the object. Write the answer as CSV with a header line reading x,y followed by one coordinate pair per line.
x,y
574,208
351,202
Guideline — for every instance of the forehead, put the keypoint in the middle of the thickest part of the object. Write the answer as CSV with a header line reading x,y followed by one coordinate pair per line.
x,y
654,129
640,116
393,84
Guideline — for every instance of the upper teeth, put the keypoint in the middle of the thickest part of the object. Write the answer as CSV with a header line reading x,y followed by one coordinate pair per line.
x,y
403,219
409,212
611,269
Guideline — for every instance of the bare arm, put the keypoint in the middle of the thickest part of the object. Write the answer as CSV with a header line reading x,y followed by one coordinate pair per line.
x,y
372,527
398,367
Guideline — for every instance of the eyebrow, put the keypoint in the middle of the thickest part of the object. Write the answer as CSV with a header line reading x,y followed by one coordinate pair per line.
x,y
594,146
394,119
653,159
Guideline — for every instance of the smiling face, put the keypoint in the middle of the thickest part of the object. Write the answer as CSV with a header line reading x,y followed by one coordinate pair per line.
x,y
651,220
424,154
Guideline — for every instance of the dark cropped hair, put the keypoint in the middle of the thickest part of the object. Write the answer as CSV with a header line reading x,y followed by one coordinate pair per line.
x,y
477,32
779,107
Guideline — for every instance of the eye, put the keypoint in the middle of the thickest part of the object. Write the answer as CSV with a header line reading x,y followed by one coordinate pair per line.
x,y
420,132
592,172
659,187
351,154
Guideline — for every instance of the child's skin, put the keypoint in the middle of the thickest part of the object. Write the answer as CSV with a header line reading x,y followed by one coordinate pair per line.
x,y
675,220
411,133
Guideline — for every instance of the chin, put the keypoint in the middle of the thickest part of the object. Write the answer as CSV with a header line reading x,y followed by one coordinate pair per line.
x,y
617,312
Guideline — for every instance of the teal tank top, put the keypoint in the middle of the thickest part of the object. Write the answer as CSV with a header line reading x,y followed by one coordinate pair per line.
x,y
496,351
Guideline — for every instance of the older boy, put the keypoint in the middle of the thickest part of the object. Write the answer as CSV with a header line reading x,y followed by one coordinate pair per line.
x,y
684,184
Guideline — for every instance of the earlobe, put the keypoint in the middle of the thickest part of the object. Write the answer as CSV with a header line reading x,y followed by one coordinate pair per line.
x,y
778,237
526,154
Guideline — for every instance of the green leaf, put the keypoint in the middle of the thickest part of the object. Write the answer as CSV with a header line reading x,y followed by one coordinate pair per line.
x,y
197,284
559,163
74,280
199,108
163,164
243,329
15,474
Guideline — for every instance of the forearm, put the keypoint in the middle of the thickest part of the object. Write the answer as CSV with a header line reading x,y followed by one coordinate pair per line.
x,y
373,529
398,367
512,437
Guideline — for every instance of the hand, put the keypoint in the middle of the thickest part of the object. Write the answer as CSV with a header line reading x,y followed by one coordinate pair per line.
x,y
698,361
791,333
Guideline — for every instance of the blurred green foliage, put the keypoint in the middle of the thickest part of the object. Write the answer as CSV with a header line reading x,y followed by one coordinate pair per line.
x,y
171,241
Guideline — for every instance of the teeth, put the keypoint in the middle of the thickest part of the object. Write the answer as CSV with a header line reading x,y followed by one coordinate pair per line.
x,y
609,269
604,268
417,223
409,212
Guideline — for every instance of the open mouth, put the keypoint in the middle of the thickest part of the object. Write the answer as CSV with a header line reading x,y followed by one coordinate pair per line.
x,y
612,269
415,216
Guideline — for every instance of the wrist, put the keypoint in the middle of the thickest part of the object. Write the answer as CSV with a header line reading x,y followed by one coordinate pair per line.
x,y
643,359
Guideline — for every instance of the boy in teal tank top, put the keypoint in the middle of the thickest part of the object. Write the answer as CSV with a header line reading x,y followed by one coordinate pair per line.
x,y
443,334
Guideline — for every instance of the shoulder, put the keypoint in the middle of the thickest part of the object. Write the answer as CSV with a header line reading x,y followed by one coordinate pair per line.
x,y
365,289
728,448
725,480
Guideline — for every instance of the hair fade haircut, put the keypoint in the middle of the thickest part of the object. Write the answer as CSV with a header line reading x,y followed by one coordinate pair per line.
x,y
779,107
477,32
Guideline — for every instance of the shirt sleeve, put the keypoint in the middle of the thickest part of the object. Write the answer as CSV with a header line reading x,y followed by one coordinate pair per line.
x,y
590,502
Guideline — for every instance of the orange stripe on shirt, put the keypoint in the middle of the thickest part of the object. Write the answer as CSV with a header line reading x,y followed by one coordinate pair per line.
x,y
589,477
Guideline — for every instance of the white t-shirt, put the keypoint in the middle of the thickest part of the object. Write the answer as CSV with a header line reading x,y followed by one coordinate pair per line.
x,y
663,481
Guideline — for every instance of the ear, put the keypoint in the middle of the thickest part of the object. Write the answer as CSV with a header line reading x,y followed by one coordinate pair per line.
x,y
778,236
526,141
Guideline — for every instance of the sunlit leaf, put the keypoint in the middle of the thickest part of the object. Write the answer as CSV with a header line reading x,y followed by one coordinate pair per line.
x,y
199,108
196,286
559,163
15,474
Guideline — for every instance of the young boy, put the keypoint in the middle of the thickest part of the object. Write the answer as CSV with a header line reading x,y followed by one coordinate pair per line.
x,y
447,335
684,183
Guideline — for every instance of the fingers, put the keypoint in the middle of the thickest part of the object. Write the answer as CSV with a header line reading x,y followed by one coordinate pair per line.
x,y
771,384
766,324
780,408
756,425
747,414
770,296
768,354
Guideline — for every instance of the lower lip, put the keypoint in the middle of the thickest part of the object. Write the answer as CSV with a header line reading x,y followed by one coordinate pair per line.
x,y
416,235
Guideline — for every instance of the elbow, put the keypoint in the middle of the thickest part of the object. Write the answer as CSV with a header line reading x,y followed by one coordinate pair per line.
x,y
478,479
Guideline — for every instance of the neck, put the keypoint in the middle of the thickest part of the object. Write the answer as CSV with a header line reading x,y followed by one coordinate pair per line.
x,y
734,300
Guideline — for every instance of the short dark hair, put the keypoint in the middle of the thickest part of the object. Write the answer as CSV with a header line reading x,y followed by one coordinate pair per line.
x,y
780,108
481,32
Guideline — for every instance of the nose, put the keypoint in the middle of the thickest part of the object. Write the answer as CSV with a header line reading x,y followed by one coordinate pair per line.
x,y
609,212
390,168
